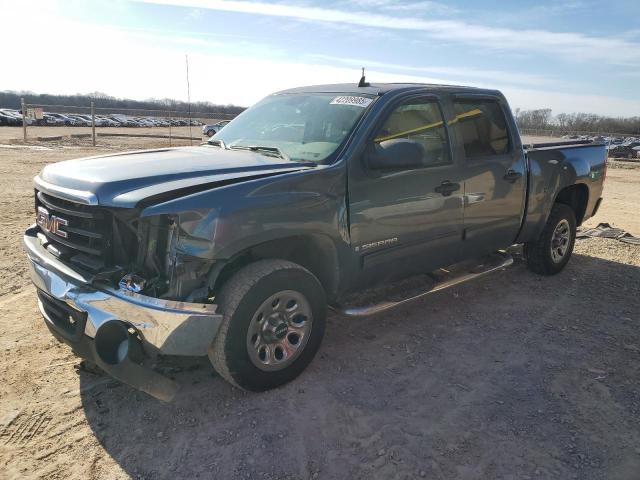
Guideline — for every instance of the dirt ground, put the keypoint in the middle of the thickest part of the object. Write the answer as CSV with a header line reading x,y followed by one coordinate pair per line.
x,y
513,376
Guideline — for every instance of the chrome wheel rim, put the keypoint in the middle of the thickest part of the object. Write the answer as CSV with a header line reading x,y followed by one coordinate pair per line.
x,y
279,330
560,241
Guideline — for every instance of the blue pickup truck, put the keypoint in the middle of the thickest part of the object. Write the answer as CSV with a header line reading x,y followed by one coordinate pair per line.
x,y
311,199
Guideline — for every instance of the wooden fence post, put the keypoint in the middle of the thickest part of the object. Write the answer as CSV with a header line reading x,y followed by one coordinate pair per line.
x,y
24,119
93,123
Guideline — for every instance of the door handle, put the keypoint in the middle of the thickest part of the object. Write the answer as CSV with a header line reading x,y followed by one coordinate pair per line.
x,y
446,188
512,176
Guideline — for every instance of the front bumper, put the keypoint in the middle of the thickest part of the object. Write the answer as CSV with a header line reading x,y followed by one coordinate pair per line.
x,y
162,326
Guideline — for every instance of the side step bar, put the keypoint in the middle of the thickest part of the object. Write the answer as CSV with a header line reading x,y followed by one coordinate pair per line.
x,y
438,280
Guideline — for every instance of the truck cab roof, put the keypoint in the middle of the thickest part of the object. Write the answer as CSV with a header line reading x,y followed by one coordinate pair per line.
x,y
379,89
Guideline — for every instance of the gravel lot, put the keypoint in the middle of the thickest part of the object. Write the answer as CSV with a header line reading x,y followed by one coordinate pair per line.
x,y
513,376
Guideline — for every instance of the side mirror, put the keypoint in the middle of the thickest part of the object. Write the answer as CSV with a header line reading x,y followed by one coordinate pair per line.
x,y
399,154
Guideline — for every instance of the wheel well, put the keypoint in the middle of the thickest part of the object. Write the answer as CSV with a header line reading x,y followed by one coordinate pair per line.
x,y
576,197
316,253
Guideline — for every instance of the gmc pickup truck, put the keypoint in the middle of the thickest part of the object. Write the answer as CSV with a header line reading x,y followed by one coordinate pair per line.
x,y
312,198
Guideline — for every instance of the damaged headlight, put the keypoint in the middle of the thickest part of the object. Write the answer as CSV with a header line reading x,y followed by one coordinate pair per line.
x,y
173,256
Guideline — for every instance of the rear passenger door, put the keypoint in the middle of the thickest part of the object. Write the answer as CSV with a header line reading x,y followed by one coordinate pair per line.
x,y
495,173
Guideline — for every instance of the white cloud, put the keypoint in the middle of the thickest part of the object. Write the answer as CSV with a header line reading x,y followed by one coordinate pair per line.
x,y
568,45
425,6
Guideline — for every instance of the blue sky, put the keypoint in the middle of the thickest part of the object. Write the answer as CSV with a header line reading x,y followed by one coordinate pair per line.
x,y
576,55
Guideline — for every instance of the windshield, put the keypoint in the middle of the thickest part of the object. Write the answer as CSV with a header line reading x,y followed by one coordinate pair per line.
x,y
303,127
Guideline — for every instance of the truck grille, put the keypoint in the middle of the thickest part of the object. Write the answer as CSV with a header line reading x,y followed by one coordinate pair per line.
x,y
85,236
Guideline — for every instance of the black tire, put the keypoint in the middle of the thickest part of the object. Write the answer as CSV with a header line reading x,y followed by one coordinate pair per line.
x,y
240,298
539,255
211,133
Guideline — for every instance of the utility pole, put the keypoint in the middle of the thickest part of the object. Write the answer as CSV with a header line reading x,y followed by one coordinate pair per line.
x,y
188,98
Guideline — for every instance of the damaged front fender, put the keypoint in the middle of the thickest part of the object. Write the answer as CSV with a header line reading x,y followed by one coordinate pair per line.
x,y
220,225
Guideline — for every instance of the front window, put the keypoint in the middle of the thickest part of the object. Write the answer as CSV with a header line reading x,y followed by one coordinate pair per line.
x,y
302,127
419,120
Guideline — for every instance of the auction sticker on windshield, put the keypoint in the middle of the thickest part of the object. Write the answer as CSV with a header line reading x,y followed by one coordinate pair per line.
x,y
352,101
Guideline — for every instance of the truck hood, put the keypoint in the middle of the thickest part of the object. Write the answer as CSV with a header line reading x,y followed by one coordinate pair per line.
x,y
125,179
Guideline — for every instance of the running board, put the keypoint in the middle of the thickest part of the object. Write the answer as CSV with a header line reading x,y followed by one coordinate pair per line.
x,y
438,280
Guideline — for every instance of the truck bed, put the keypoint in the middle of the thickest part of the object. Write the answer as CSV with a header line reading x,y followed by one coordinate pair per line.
x,y
561,144
554,166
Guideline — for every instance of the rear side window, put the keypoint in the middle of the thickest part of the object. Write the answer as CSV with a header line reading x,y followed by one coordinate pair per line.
x,y
482,126
419,120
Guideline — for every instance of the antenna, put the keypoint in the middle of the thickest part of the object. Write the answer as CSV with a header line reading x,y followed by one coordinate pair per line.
x,y
186,57
363,82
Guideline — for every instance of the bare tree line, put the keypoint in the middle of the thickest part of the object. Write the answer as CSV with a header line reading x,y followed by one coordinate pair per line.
x,y
543,119
540,119
10,99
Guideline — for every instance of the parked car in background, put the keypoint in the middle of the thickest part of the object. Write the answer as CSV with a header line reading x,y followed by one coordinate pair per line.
x,y
625,150
81,120
50,120
103,121
118,120
16,115
66,120
9,120
211,129
12,117
6,119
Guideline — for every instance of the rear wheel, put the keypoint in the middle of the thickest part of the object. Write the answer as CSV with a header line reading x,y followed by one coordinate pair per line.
x,y
211,133
273,322
552,251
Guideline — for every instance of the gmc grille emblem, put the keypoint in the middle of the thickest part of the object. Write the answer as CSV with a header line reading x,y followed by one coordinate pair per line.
x,y
51,223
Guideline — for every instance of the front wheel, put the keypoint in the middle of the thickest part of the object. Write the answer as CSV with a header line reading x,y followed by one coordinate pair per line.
x,y
273,322
551,252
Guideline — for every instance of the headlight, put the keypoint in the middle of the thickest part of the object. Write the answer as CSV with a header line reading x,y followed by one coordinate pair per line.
x,y
174,255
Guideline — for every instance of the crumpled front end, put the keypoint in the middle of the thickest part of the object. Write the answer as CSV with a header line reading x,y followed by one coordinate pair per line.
x,y
116,328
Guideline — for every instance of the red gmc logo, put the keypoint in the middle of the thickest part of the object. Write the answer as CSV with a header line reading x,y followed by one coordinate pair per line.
x,y
51,223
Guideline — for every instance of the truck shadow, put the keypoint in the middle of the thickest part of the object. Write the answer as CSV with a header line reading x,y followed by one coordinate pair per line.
x,y
486,378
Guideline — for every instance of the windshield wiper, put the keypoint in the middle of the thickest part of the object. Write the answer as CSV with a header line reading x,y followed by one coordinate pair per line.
x,y
217,142
259,148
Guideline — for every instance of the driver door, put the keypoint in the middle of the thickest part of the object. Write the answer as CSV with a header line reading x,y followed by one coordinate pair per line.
x,y
407,220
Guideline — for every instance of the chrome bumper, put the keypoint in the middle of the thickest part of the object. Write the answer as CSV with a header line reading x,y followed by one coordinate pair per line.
x,y
165,327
